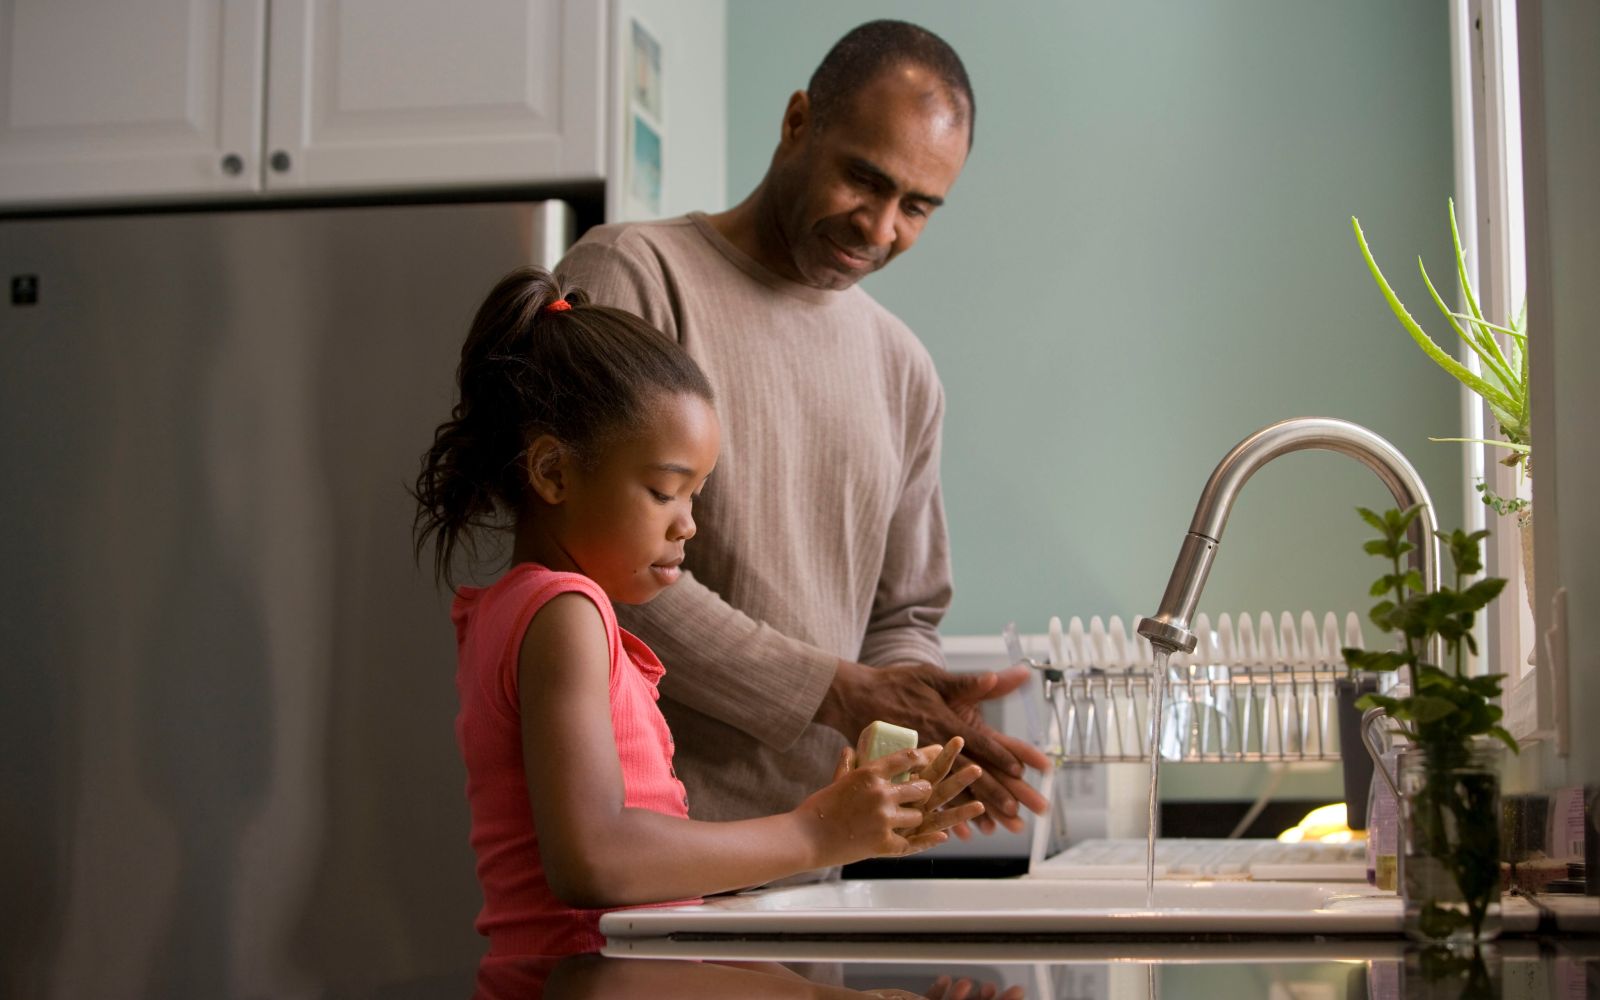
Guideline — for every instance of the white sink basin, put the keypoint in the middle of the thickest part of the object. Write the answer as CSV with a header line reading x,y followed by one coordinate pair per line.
x,y
964,907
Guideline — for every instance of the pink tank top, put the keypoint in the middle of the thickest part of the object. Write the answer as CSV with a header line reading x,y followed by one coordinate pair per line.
x,y
520,915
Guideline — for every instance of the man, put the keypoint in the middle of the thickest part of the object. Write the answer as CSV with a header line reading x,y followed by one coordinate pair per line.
x,y
820,571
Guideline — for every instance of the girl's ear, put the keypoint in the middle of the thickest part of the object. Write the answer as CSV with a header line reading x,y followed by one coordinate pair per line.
x,y
548,465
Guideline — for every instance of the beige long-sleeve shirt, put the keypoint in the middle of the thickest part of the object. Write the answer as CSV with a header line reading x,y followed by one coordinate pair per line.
x,y
821,533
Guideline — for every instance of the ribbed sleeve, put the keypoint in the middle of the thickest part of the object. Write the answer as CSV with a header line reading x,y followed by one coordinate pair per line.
x,y
731,667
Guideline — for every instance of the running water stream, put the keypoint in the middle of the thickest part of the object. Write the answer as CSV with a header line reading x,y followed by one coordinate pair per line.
x,y
1158,691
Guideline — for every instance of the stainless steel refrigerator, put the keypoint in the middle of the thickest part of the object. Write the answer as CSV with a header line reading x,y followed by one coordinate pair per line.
x,y
227,691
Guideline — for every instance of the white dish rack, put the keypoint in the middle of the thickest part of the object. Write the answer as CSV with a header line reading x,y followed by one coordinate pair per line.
x,y
1254,690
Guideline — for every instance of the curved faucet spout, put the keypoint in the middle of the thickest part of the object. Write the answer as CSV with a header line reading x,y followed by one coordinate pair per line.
x,y
1168,628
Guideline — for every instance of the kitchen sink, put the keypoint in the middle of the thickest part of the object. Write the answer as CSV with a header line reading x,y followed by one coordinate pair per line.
x,y
1024,907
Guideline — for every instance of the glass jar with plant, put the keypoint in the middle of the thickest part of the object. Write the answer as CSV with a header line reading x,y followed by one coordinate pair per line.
x,y
1449,781
1501,382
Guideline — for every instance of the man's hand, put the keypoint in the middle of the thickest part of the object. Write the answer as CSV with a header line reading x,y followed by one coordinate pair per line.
x,y
940,705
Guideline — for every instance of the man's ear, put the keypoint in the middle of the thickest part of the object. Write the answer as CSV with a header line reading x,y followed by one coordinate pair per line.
x,y
797,120
548,465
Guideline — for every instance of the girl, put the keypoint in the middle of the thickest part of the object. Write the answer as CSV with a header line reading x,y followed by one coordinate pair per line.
x,y
587,435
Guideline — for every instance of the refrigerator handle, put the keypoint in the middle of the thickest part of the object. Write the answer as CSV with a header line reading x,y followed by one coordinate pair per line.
x,y
551,232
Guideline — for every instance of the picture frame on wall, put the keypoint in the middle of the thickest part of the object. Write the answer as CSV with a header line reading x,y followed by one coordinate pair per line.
x,y
644,165
644,117
645,81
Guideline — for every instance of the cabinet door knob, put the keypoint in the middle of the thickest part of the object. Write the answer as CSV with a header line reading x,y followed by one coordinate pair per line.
x,y
279,161
232,164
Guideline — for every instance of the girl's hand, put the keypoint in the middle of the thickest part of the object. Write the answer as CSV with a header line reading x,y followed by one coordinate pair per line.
x,y
862,813
944,787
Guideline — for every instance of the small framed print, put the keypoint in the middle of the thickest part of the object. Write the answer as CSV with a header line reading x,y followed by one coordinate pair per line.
x,y
644,163
645,85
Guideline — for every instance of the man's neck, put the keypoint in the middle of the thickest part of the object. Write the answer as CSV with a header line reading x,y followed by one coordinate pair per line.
x,y
752,229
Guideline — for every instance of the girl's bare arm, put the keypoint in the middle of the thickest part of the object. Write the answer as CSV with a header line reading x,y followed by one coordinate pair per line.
x,y
598,853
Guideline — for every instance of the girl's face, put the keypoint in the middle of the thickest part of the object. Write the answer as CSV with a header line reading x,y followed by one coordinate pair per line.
x,y
624,522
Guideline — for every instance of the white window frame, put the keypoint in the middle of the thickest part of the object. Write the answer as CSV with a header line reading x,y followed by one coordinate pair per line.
x,y
1489,208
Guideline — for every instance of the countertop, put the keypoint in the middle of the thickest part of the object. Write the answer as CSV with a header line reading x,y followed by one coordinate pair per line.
x,y
1315,969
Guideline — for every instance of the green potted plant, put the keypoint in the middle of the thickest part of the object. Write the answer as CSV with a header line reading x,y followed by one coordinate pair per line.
x,y
1449,779
1502,382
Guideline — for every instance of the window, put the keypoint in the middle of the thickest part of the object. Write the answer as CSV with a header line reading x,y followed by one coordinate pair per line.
x,y
1489,207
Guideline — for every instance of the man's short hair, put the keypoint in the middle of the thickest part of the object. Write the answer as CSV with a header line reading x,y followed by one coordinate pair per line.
x,y
857,58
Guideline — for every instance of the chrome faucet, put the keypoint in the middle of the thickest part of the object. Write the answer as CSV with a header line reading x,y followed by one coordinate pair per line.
x,y
1168,628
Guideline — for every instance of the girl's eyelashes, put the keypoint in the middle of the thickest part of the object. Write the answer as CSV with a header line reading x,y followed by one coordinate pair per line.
x,y
664,498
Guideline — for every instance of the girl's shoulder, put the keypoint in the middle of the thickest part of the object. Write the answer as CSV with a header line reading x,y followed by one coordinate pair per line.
x,y
521,592
491,622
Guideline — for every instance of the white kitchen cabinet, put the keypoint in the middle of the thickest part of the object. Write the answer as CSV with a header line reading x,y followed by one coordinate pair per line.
x,y
370,94
180,99
134,99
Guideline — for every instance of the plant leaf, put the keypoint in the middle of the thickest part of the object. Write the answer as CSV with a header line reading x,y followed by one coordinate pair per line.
x,y
1483,344
1522,373
1509,331
1504,737
1402,519
1490,393
1382,615
1370,701
1371,518
1427,679
1487,685
1491,442
1481,593
1461,262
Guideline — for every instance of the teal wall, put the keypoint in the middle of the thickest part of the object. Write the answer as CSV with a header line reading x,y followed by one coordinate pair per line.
x,y
1148,257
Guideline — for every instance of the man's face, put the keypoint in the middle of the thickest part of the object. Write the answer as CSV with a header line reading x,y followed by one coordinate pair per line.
x,y
855,194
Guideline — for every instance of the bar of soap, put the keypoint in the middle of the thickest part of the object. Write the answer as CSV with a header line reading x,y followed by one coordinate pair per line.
x,y
881,739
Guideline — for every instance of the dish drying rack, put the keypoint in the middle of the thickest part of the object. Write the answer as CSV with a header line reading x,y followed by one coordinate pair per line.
x,y
1253,690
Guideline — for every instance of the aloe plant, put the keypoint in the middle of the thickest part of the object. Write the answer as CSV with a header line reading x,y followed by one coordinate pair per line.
x,y
1503,383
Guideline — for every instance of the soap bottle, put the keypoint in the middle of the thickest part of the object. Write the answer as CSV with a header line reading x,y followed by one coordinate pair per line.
x,y
1383,824
1372,829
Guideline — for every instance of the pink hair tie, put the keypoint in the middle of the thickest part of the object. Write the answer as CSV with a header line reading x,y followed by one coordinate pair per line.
x,y
558,306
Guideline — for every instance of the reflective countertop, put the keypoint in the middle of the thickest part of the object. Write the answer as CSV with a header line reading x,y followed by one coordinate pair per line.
x,y
1313,969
